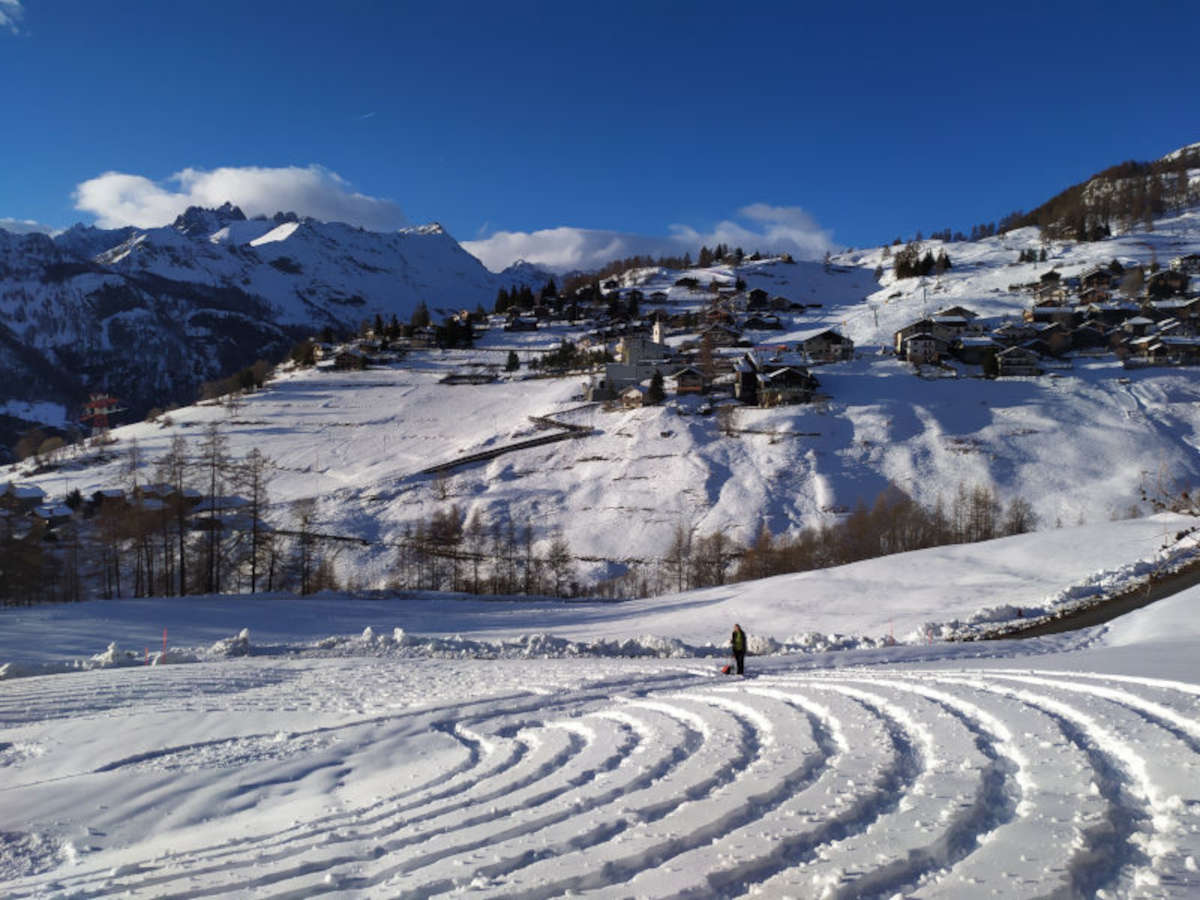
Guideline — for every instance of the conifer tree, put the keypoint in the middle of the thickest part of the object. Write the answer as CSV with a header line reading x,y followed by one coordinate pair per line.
x,y
656,394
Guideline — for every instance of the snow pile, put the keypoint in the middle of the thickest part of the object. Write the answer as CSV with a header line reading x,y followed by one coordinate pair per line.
x,y
238,645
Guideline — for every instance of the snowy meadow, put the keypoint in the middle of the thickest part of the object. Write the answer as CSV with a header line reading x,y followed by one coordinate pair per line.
x,y
378,745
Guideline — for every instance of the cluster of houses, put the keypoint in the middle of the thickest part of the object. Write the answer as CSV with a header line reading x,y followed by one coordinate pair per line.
x,y
1089,313
25,507
723,355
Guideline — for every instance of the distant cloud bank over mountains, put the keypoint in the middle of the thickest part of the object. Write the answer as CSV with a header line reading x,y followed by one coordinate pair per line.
x,y
120,199
117,199
770,229
24,226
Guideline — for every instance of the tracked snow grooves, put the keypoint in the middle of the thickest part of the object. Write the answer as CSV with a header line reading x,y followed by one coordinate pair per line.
x,y
850,783
39,698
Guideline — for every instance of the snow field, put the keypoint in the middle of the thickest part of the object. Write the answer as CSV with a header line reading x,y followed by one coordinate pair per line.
x,y
646,779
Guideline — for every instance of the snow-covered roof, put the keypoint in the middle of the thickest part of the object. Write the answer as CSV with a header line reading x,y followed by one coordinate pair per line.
x,y
23,491
54,511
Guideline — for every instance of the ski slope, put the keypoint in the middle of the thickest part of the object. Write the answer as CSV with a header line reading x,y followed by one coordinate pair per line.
x,y
419,764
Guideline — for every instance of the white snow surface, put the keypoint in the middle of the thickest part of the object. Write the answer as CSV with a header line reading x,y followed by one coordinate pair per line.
x,y
377,745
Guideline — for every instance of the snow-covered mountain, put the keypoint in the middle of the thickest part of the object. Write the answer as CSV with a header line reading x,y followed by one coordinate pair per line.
x,y
1080,443
148,314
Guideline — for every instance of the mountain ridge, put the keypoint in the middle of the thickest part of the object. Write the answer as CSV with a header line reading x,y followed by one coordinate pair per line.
x,y
150,313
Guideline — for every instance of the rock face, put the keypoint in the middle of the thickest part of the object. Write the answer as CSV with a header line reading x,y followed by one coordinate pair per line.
x,y
197,221
149,314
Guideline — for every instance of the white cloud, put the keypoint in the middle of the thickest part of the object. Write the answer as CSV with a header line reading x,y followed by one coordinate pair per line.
x,y
564,249
117,199
770,229
25,226
773,229
10,14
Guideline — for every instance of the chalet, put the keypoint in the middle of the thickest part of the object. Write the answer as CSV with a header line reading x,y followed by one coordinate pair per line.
x,y
721,335
158,494
956,312
785,385
1053,311
1173,327
349,360
943,327
923,347
690,380
1017,361
1183,308
1089,337
1012,333
719,313
1141,347
1167,283
1137,326
1110,313
757,299
1054,291
1182,350
1099,278
1052,339
1094,295
766,322
783,304
950,324
974,349
53,515
1050,287
522,323
826,346
20,498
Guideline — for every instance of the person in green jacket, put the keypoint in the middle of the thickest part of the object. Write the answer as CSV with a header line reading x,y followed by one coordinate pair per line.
x,y
738,644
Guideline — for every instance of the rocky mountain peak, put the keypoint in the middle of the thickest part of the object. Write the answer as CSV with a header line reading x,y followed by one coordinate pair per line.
x,y
197,221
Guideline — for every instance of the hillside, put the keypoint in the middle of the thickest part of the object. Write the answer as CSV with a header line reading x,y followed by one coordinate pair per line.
x,y
412,745
149,314
1083,443
1105,430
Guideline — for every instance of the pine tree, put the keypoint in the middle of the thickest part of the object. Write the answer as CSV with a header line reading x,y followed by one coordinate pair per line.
x,y
656,394
214,457
251,479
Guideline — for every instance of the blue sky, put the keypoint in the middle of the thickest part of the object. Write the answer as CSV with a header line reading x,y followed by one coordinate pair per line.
x,y
569,130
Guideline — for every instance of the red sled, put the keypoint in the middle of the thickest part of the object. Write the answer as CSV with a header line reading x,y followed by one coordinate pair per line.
x,y
726,669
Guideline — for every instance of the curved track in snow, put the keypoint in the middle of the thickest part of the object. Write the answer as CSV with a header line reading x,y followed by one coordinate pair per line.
x,y
846,783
